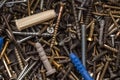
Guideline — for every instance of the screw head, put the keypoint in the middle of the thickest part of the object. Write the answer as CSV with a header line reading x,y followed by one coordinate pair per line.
x,y
90,39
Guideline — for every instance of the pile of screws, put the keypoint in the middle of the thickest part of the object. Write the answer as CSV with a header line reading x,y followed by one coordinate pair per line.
x,y
59,40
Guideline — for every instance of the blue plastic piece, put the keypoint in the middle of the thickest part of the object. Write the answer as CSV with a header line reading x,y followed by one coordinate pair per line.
x,y
79,66
1,43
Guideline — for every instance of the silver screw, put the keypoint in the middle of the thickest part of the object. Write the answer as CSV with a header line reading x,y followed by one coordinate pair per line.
x,y
113,39
10,4
1,4
102,23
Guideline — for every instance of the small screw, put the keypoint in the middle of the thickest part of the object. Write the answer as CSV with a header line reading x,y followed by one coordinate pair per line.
x,y
91,32
113,39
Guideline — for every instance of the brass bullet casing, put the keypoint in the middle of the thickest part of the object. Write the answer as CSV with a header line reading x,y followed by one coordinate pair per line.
x,y
34,19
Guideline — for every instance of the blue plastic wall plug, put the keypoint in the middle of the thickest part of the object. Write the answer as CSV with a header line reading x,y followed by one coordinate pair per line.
x,y
1,42
79,66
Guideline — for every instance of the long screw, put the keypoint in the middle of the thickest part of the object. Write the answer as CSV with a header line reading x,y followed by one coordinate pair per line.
x,y
57,25
19,59
7,68
4,49
102,24
76,20
91,31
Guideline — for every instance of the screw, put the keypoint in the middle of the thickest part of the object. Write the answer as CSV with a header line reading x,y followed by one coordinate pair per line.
x,y
28,5
34,70
99,56
7,59
91,32
112,75
7,68
117,34
24,74
19,59
105,68
41,4
10,4
42,40
83,44
101,14
3,2
76,20
113,19
111,27
24,39
50,30
110,48
35,5
62,42
113,39
57,25
113,30
68,71
108,6
42,71
4,48
26,33
102,24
